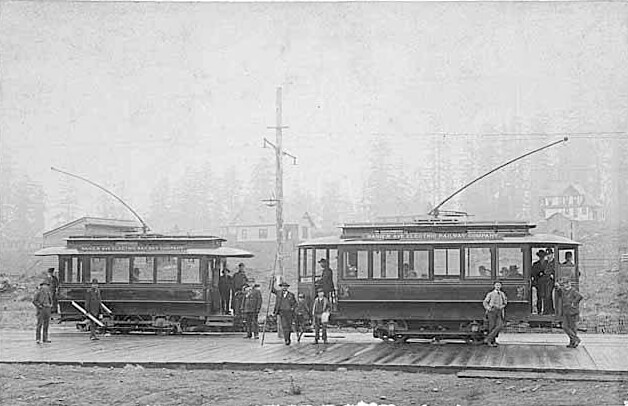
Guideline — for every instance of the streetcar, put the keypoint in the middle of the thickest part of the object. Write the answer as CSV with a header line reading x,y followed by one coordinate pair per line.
x,y
148,282
427,278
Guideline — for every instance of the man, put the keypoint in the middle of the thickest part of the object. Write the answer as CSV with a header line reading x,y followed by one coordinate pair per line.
x,y
327,279
238,298
302,315
568,259
93,300
538,270
224,287
547,280
239,278
570,311
495,303
43,303
251,305
285,304
321,305
54,288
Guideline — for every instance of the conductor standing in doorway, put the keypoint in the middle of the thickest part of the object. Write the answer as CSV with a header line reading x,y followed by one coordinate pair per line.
x,y
285,304
495,303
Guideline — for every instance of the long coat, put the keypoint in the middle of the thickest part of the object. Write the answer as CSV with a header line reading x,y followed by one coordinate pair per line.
x,y
93,301
284,304
252,302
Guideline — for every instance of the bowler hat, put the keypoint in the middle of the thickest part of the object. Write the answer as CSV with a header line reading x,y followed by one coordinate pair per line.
x,y
549,251
51,269
322,260
541,253
286,284
94,280
45,282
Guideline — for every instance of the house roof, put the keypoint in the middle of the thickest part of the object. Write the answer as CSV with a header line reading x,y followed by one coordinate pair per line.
x,y
128,224
573,189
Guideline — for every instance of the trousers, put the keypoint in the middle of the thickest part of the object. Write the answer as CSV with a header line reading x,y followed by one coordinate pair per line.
x,y
43,321
318,326
286,325
569,327
495,324
252,326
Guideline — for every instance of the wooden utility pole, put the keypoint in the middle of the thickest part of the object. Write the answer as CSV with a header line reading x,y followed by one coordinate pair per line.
x,y
279,186
278,199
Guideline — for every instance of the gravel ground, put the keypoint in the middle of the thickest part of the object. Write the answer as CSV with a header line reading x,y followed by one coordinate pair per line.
x,y
133,385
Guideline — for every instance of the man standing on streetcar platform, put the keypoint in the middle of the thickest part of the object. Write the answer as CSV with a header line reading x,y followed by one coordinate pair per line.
x,y
285,304
327,279
494,303
538,270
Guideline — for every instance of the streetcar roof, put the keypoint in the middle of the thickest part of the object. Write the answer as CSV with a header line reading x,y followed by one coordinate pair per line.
x,y
538,239
226,252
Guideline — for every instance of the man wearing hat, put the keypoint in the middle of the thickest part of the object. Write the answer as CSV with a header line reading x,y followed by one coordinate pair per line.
x,y
285,304
92,306
547,280
43,303
239,278
54,288
538,270
327,279
251,305
570,310
321,305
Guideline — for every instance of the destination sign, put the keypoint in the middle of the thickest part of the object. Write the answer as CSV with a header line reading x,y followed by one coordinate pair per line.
x,y
131,248
431,236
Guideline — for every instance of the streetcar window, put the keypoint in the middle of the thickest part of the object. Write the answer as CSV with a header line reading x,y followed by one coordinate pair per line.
x,y
306,267
477,262
190,270
446,263
166,269
510,263
73,270
318,255
567,264
378,257
333,261
142,270
120,270
567,257
391,271
355,264
97,268
416,265
385,264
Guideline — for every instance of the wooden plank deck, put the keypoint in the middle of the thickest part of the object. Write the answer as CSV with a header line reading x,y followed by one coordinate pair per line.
x,y
534,353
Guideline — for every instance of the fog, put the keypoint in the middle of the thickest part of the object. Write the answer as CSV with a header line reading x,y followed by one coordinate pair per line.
x,y
132,95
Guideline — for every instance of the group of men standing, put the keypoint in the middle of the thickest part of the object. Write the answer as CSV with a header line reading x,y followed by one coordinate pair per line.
x,y
231,289
496,301
45,302
543,278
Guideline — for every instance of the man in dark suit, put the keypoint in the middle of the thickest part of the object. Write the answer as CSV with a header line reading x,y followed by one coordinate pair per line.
x,y
92,306
538,271
43,303
54,288
285,304
251,305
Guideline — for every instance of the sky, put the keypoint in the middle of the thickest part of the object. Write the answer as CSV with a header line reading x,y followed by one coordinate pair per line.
x,y
126,93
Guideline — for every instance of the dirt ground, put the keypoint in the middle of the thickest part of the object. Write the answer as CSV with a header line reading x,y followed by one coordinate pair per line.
x,y
134,385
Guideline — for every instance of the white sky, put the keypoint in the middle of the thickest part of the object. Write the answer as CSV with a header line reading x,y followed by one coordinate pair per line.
x,y
127,92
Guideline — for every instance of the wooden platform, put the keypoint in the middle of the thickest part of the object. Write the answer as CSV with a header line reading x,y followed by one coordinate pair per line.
x,y
534,353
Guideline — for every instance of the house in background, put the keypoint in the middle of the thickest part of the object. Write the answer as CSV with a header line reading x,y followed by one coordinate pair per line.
x,y
85,226
260,238
573,203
